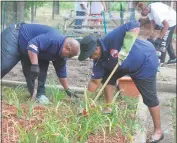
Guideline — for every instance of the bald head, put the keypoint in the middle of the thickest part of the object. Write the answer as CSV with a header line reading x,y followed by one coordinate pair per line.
x,y
71,48
75,46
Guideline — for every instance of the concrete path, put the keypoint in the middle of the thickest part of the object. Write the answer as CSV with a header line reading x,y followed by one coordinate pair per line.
x,y
166,118
167,74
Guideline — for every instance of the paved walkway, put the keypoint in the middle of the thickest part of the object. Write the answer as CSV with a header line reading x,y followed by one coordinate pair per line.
x,y
166,118
167,74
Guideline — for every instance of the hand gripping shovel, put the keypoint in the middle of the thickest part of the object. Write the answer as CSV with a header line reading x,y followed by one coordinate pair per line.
x,y
102,88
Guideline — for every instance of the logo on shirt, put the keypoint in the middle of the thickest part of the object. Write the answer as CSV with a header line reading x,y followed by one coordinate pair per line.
x,y
114,53
33,47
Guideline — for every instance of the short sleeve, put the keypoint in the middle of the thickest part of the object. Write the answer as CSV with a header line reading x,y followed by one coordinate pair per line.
x,y
98,70
60,67
39,43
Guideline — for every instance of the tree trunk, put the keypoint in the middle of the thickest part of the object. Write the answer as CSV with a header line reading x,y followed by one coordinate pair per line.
x,y
10,11
35,10
32,12
20,11
56,7
108,6
53,10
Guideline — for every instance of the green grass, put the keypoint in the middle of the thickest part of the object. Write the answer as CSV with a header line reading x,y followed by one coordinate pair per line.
x,y
64,122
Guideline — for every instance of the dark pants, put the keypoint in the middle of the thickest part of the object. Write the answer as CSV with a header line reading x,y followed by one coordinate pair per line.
x,y
78,22
10,56
167,45
43,64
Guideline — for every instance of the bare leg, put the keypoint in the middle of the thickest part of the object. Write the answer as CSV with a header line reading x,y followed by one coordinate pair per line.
x,y
108,95
155,113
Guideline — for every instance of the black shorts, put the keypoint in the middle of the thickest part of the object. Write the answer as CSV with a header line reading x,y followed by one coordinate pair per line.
x,y
148,90
146,87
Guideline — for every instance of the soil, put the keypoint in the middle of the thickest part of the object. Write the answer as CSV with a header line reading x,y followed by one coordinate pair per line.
x,y
11,121
117,138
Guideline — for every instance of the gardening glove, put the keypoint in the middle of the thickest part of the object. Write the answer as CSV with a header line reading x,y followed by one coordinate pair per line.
x,y
128,42
158,41
70,93
34,71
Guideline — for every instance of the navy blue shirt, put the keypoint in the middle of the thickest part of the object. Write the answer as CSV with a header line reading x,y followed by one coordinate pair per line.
x,y
141,63
45,41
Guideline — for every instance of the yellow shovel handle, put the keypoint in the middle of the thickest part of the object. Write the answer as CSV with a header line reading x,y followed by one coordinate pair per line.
x,y
113,71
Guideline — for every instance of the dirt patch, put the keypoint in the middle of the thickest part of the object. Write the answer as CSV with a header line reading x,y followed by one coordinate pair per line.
x,y
117,138
12,122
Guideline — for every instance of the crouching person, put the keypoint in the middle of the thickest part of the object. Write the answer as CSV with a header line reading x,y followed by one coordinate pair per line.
x,y
35,45
140,64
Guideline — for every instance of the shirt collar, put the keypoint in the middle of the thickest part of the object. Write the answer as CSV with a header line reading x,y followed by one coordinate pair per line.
x,y
105,52
62,46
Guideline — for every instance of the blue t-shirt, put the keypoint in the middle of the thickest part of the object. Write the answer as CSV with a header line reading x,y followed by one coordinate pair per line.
x,y
45,41
141,63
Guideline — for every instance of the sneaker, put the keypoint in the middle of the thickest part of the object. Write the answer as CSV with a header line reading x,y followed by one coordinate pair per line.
x,y
171,61
42,99
161,65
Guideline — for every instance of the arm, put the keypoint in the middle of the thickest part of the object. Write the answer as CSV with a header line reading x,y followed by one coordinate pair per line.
x,y
35,45
33,57
165,28
152,28
64,83
93,85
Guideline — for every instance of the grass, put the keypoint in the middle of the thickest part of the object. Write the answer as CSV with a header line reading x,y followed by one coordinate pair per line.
x,y
63,120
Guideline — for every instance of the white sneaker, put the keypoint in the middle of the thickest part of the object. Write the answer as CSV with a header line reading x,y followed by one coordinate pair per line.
x,y
43,99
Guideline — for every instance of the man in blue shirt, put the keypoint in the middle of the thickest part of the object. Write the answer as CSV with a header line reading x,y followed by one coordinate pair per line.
x,y
35,45
140,64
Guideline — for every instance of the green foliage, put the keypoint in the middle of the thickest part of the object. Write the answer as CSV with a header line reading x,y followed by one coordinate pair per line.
x,y
116,6
29,4
66,5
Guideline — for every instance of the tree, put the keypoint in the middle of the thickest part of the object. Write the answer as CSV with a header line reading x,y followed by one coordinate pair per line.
x,y
20,11
32,12
53,10
56,7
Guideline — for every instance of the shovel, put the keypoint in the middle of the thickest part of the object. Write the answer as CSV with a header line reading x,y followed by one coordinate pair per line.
x,y
35,89
102,88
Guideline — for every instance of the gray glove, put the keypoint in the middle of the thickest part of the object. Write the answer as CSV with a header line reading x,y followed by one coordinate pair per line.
x,y
70,93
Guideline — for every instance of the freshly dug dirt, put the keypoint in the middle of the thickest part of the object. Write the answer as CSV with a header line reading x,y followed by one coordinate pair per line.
x,y
11,122
117,138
